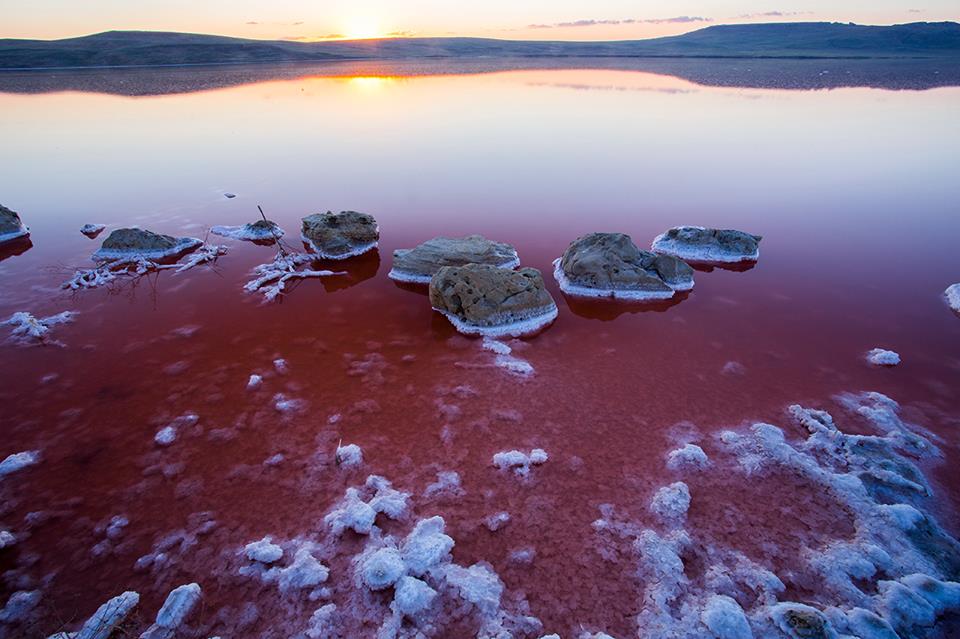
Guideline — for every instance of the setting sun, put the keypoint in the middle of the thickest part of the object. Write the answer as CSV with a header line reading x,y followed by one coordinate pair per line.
x,y
362,28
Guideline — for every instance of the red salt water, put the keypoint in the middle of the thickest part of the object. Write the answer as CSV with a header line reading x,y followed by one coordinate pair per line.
x,y
857,210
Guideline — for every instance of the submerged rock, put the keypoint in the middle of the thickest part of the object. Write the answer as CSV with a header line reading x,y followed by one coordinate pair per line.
x,y
11,227
699,244
480,299
92,230
337,236
134,242
611,265
259,231
418,265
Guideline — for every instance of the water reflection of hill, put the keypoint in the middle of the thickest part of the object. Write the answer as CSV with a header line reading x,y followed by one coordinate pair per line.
x,y
741,73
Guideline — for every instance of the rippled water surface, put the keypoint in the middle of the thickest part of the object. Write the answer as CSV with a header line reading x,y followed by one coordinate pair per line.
x,y
854,191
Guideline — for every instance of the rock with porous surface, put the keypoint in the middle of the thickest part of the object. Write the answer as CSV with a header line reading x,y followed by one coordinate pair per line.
x,y
611,265
11,227
418,265
699,244
480,299
337,236
134,242
259,231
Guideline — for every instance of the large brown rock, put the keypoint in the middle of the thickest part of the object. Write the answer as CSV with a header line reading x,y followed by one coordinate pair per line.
x,y
480,299
699,244
337,236
419,264
611,265
134,242
11,227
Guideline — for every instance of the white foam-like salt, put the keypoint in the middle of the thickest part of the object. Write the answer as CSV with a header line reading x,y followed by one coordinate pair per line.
x,y
512,329
447,484
882,357
254,382
671,503
497,521
382,568
413,596
520,462
426,546
515,365
165,436
179,604
724,617
495,346
576,290
304,572
353,513
29,329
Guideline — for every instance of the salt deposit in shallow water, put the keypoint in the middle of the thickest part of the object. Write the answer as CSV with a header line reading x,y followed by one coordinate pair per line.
x,y
132,264
18,461
271,278
520,462
7,539
952,295
687,457
349,456
881,357
264,551
19,606
109,616
27,329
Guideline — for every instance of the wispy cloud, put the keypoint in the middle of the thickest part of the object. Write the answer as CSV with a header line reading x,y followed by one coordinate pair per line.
x,y
401,34
329,36
774,14
599,22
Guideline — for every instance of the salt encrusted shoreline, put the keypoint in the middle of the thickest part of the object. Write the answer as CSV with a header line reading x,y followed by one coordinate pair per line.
x,y
355,252
519,328
609,293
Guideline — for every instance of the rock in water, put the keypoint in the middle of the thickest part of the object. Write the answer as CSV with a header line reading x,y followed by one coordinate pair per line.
x,y
92,230
11,227
418,265
699,244
480,299
259,231
134,242
611,265
337,236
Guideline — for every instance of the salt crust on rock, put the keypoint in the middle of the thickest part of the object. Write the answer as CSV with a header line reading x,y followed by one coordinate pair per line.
x,y
952,295
610,265
700,244
418,265
258,231
485,300
338,236
134,242
11,227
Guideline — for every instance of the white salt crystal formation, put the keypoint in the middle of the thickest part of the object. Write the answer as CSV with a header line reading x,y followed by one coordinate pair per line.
x,y
881,357
259,231
952,295
359,508
109,617
27,329
687,457
519,462
175,610
349,456
18,461
270,279
264,551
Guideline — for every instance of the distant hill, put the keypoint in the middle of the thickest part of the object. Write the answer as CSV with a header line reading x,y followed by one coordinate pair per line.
x,y
789,40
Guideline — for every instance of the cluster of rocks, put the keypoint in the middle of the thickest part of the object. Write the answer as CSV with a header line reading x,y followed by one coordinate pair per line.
x,y
11,226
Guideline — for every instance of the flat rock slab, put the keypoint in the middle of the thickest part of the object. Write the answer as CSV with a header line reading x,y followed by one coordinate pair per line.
x,y
699,244
337,236
480,299
419,265
134,242
611,265
11,226
259,231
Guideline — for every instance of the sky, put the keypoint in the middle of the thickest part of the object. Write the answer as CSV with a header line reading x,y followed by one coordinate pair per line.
x,y
514,19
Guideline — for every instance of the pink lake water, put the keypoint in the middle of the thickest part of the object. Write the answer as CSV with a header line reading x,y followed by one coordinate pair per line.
x,y
853,189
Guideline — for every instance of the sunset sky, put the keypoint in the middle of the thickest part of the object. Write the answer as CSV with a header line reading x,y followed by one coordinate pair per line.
x,y
532,19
